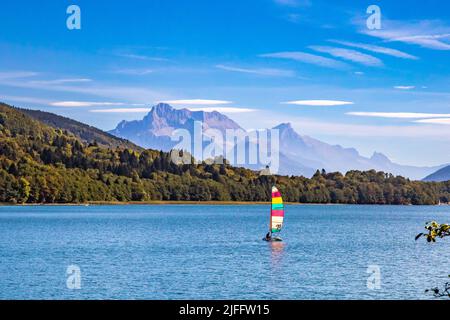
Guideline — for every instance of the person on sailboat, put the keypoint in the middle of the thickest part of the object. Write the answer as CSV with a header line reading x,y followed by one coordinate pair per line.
x,y
268,237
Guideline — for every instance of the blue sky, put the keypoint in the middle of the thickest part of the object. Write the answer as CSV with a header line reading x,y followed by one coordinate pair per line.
x,y
312,63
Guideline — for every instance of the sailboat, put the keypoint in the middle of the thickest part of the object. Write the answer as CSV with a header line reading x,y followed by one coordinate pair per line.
x,y
276,216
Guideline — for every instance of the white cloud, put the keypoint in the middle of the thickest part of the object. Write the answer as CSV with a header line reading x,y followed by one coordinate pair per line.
x,y
259,71
404,87
224,109
333,128
431,34
322,103
307,58
135,72
16,74
140,57
377,49
351,130
133,94
317,127
293,17
84,104
399,115
445,121
351,55
196,102
61,81
145,110
294,3
121,110
24,99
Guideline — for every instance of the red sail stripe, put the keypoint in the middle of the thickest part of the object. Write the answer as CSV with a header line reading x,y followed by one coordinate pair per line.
x,y
276,194
278,213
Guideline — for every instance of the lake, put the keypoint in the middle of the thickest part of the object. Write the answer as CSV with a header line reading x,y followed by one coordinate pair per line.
x,y
216,252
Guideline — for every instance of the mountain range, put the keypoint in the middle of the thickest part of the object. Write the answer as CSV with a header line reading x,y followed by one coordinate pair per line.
x,y
299,155
46,158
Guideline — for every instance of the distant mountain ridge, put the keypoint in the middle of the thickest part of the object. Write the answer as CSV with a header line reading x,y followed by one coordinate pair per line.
x,y
40,163
317,154
442,174
299,155
155,129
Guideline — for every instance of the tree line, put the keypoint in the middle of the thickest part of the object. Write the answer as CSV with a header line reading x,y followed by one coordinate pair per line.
x,y
43,164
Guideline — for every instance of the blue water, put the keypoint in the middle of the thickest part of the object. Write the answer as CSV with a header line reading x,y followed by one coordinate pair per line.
x,y
216,252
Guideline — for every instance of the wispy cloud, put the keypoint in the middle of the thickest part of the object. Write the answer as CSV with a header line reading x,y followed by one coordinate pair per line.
x,y
398,115
431,34
145,110
377,49
134,72
351,55
140,57
128,93
224,109
307,58
17,74
121,110
314,126
404,87
319,103
62,81
294,3
445,121
196,102
24,99
258,71
84,104
293,17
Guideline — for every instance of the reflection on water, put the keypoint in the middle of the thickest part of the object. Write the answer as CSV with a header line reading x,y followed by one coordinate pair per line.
x,y
277,251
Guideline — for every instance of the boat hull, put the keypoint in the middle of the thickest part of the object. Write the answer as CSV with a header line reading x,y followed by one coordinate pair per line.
x,y
276,239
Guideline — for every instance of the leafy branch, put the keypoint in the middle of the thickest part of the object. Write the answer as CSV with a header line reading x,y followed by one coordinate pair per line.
x,y
438,293
436,230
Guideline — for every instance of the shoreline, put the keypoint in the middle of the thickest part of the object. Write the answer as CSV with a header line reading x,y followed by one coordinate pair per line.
x,y
216,203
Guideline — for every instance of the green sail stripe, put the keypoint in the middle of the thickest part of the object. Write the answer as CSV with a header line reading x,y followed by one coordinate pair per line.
x,y
277,206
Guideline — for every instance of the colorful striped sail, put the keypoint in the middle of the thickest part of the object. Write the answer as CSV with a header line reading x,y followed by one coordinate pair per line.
x,y
277,211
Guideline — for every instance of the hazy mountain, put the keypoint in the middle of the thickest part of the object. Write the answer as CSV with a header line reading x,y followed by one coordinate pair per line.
x,y
299,155
317,154
155,129
440,175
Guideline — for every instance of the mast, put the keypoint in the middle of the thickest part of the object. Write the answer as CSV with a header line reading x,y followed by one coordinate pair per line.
x,y
270,223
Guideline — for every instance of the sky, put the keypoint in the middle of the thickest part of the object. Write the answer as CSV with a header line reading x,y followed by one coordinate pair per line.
x,y
315,64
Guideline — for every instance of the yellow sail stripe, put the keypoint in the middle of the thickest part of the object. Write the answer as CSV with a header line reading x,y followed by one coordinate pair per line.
x,y
277,200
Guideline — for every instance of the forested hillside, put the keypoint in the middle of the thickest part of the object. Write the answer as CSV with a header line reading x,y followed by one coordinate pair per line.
x,y
40,163
83,131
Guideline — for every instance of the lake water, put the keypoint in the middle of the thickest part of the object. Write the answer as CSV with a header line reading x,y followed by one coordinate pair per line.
x,y
216,252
